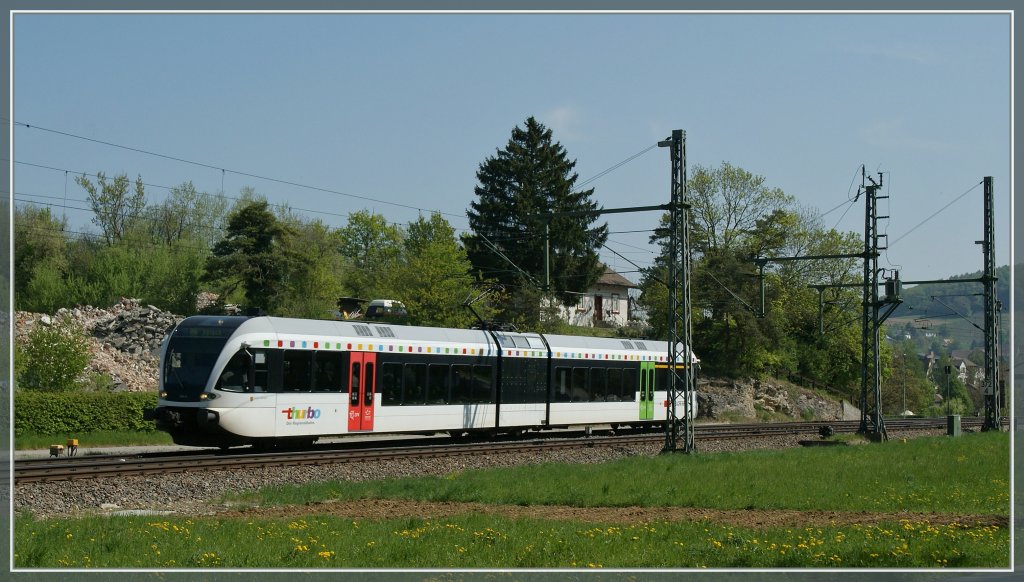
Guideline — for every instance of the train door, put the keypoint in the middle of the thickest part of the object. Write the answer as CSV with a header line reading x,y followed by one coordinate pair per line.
x,y
362,370
646,390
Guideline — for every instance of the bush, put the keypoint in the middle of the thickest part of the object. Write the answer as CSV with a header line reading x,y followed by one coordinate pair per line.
x,y
60,413
54,357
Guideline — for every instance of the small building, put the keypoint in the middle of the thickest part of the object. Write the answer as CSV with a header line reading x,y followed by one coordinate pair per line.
x,y
606,303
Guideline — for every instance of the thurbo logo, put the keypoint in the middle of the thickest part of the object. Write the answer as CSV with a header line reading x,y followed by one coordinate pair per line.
x,y
301,414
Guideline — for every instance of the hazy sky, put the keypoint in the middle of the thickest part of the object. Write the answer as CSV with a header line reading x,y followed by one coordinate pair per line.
x,y
394,113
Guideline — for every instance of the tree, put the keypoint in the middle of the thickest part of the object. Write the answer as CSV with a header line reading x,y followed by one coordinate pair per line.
x,y
731,207
905,385
187,214
433,276
531,176
250,255
736,217
372,246
114,207
314,280
39,245
950,387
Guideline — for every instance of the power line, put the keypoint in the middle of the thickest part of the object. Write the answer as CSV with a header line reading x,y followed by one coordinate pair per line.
x,y
934,214
225,170
284,206
289,182
616,166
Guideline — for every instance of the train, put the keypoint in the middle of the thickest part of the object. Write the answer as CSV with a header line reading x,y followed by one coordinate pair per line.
x,y
269,381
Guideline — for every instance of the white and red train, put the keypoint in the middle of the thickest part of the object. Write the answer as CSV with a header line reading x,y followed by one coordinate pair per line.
x,y
231,380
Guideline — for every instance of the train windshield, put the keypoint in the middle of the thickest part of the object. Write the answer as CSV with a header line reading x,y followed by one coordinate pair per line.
x,y
192,352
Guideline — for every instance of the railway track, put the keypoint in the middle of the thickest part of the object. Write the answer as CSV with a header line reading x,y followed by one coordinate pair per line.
x,y
72,468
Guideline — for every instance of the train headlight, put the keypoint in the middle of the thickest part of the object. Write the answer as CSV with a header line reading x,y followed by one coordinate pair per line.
x,y
163,394
207,396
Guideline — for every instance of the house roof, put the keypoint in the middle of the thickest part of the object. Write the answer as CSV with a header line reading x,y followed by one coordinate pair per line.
x,y
610,277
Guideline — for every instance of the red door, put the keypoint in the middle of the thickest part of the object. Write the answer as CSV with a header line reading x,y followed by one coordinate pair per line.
x,y
362,374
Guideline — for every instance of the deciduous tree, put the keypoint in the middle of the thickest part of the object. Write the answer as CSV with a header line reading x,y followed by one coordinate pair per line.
x,y
114,205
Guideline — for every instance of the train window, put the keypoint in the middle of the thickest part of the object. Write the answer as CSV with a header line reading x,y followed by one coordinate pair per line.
x,y
462,384
629,384
598,384
391,384
505,341
259,360
354,393
235,375
580,385
414,384
483,388
438,385
562,386
614,385
520,342
328,372
661,379
368,381
298,367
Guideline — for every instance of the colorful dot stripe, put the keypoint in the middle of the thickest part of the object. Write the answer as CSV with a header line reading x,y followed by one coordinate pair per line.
x,y
327,345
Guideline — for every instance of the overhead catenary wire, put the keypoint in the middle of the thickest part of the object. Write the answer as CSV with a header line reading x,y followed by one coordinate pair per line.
x,y
934,214
616,166
282,206
226,170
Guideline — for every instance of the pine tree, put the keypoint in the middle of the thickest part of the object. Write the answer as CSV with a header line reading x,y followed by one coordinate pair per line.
x,y
533,175
250,255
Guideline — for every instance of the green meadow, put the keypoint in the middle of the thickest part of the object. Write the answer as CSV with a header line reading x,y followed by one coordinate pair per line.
x,y
965,476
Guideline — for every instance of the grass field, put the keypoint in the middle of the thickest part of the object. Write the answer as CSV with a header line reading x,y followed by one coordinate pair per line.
x,y
969,474
926,503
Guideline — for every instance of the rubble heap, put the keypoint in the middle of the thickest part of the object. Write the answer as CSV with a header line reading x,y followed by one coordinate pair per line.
x,y
135,330
124,341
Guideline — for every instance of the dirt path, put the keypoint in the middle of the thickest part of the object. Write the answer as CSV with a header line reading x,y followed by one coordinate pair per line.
x,y
754,518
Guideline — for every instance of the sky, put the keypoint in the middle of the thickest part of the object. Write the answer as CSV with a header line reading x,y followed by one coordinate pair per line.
x,y
395,113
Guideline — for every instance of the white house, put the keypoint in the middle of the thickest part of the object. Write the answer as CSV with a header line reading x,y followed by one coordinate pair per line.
x,y
606,303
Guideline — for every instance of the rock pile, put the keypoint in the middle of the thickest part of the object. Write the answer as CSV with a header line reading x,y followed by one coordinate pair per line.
x,y
124,341
135,330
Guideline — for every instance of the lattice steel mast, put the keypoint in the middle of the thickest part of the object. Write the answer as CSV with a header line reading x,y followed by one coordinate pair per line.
x,y
680,325
992,388
871,421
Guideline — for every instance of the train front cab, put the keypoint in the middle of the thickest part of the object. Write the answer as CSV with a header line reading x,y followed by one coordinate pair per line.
x,y
189,357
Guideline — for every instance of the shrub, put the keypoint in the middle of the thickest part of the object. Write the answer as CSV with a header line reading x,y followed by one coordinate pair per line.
x,y
54,357
49,413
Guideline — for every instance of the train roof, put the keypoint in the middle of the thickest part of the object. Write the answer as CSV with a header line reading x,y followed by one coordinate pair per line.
x,y
603,343
369,330
356,329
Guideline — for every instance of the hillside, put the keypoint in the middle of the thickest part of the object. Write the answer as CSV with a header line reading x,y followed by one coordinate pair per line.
x,y
947,313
